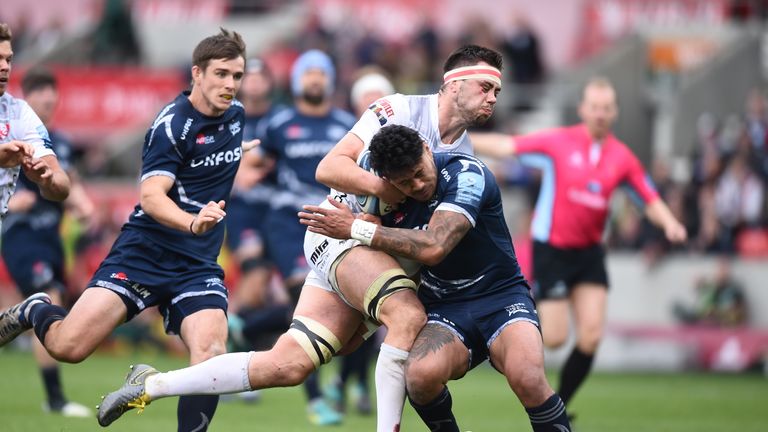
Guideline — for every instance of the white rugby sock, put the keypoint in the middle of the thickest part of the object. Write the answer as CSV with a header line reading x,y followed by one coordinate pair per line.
x,y
226,373
390,387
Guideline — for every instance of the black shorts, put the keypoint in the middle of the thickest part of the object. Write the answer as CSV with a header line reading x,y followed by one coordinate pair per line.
x,y
556,271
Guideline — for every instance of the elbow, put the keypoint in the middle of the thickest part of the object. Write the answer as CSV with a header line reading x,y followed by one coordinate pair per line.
x,y
322,174
433,255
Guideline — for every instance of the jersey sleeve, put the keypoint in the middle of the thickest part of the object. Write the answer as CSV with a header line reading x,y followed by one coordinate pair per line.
x,y
163,152
34,132
638,180
393,109
465,190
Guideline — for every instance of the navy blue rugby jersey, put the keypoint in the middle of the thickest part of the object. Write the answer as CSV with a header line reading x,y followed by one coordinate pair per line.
x,y
484,260
298,143
201,154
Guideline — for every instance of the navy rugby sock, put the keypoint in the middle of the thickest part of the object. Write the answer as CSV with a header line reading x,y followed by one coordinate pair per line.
x,y
52,384
42,315
194,413
549,416
438,415
312,386
574,373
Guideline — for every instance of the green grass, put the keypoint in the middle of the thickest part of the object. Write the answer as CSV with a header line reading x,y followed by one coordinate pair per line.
x,y
482,402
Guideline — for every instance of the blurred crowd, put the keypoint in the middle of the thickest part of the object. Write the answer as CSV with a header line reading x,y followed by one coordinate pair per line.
x,y
719,192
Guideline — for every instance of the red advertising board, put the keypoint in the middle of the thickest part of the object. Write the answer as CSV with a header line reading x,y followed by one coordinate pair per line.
x,y
97,101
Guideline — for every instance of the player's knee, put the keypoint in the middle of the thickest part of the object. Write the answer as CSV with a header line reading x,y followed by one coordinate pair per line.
x,y
421,380
316,340
384,287
207,350
405,319
589,341
527,381
68,351
554,340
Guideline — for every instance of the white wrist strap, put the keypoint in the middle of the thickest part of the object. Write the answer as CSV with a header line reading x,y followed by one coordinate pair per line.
x,y
363,231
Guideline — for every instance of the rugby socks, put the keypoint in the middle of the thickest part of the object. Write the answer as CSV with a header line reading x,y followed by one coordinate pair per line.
x,y
226,373
574,373
194,413
312,387
52,383
438,414
42,315
390,387
549,416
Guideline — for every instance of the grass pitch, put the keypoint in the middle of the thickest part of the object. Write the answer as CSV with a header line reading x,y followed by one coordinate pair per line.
x,y
482,402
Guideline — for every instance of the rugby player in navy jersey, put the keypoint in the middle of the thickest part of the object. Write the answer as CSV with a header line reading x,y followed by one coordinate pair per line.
x,y
31,243
166,253
477,301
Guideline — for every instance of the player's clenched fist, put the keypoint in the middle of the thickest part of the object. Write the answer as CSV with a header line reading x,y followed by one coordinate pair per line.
x,y
208,217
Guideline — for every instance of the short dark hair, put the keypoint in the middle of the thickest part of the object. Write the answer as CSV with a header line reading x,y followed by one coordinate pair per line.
x,y
469,55
395,149
38,78
5,32
226,45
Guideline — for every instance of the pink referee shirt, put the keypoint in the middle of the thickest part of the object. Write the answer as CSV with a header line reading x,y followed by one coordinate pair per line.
x,y
576,187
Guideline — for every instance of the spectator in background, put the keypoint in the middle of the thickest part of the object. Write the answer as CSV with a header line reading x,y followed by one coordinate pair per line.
x,y
521,48
720,300
739,196
115,40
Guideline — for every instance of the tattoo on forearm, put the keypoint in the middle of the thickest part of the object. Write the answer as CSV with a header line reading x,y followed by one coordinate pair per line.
x,y
431,339
446,229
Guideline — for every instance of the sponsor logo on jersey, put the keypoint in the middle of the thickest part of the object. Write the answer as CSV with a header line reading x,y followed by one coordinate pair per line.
x,y
140,290
185,131
204,139
216,159
308,149
382,109
5,130
119,276
516,308
234,127
587,198
318,251
295,131
445,174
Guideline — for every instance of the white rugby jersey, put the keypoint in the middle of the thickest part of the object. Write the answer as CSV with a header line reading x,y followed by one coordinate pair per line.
x,y
19,122
417,112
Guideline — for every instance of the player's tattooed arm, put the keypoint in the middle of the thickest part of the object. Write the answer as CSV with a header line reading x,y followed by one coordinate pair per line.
x,y
446,229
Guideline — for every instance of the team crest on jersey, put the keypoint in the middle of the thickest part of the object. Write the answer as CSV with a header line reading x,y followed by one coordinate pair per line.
x,y
516,308
234,127
5,130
